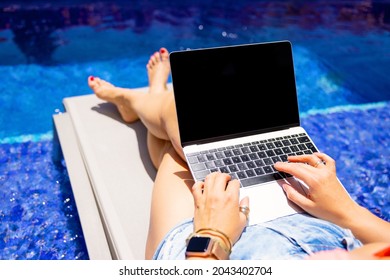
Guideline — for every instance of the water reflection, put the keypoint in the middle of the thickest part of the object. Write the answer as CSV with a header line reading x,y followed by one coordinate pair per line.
x,y
35,27
33,33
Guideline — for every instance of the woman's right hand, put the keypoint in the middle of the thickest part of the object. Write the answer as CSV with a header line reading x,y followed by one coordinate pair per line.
x,y
217,205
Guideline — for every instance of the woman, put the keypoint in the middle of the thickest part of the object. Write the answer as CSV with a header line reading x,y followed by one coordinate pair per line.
x,y
187,218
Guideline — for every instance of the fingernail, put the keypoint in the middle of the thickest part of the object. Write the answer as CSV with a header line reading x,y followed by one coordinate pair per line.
x,y
91,78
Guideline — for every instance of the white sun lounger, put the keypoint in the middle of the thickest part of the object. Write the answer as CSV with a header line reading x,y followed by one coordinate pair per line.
x,y
111,176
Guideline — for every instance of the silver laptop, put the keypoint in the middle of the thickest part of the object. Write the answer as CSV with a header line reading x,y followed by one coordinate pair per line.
x,y
238,113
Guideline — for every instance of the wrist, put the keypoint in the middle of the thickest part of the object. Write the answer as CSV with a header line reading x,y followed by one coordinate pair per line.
x,y
227,242
352,216
364,219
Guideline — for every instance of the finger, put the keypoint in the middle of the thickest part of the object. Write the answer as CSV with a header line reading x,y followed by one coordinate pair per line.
x,y
209,182
296,197
197,192
298,170
244,201
233,187
233,192
220,182
311,159
329,162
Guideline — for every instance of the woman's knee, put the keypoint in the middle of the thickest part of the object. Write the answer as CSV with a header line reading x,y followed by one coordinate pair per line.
x,y
157,148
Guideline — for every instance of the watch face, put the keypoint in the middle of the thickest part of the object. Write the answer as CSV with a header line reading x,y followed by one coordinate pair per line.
x,y
198,244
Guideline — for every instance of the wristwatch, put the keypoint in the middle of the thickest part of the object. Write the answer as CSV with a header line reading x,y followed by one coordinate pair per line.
x,y
205,246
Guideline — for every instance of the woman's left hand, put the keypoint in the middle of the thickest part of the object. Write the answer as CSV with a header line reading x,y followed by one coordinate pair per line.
x,y
326,197
217,205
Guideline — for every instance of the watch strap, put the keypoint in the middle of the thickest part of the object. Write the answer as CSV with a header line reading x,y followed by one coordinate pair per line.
x,y
219,252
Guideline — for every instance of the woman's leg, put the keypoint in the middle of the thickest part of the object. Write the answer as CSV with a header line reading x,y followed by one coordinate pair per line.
x,y
156,109
172,200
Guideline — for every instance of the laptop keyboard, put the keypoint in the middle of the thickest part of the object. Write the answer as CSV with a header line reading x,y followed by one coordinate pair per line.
x,y
251,163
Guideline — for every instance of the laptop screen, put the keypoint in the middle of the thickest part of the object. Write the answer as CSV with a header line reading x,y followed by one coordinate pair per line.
x,y
234,91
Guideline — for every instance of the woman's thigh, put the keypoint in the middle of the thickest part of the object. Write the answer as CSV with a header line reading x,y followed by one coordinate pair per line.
x,y
172,200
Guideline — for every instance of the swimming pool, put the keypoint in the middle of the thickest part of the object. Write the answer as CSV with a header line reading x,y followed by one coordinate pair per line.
x,y
341,56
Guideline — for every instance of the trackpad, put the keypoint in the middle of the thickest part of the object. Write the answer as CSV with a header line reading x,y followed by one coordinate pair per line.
x,y
268,201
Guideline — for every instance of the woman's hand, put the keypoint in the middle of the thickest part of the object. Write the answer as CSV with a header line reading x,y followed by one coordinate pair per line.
x,y
326,197
217,205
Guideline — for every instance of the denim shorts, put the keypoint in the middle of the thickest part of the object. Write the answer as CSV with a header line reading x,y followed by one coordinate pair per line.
x,y
291,237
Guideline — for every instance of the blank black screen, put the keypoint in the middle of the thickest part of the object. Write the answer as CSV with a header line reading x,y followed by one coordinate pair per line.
x,y
234,90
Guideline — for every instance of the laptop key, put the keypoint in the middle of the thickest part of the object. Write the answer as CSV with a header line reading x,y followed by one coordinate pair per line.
x,y
311,147
210,157
250,173
245,158
228,153
286,143
192,160
268,169
262,147
227,161
233,168
260,179
284,158
303,139
219,155
201,174
262,154
241,175
219,163
259,171
253,156
294,148
210,165
224,169
278,144
242,166
198,167
236,159
253,149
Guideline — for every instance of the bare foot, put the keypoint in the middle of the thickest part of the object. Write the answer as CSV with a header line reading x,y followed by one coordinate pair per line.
x,y
158,69
121,97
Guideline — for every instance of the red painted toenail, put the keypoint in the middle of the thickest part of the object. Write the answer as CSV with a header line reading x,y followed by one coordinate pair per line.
x,y
91,78
162,51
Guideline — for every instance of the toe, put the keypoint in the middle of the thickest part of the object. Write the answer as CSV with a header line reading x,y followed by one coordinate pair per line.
x,y
156,58
149,66
96,83
164,53
92,81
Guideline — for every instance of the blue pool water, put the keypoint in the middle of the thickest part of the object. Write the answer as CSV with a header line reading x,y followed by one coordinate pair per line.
x,y
341,54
